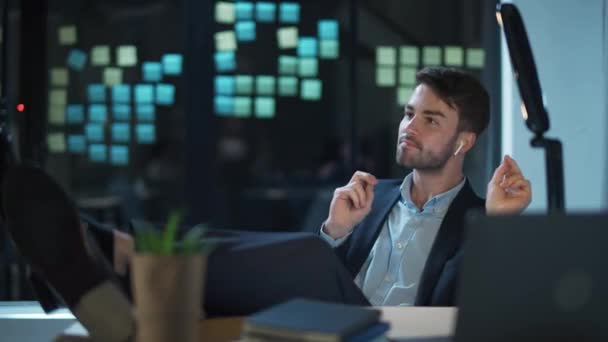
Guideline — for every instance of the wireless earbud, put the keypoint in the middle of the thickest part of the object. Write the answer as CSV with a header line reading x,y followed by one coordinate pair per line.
x,y
460,145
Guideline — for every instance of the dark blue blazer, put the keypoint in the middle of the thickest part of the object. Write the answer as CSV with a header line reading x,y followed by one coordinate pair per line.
x,y
440,275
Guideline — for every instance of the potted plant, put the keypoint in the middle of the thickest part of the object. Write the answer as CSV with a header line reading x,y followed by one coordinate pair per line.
x,y
167,280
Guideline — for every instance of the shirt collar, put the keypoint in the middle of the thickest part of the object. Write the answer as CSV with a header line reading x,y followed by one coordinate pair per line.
x,y
437,204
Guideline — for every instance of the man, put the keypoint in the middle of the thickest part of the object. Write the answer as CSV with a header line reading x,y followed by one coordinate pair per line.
x,y
402,239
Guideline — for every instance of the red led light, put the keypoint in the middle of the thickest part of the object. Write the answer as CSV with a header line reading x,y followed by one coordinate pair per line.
x,y
20,107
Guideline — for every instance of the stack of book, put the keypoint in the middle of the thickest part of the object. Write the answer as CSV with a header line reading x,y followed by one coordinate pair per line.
x,y
309,320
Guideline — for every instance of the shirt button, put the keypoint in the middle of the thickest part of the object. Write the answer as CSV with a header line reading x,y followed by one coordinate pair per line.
x,y
399,245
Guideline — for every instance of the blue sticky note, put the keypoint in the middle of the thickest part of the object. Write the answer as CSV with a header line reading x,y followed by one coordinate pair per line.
x,y
264,12
145,133
144,93
264,107
307,47
98,153
77,143
224,105
152,71
121,93
98,113
122,112
288,86
121,132
145,112
225,85
96,93
172,64
119,155
328,29
165,94
77,59
94,132
74,114
289,12
225,61
243,10
245,31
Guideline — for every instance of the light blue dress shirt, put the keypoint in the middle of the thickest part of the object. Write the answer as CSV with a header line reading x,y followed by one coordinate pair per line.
x,y
391,274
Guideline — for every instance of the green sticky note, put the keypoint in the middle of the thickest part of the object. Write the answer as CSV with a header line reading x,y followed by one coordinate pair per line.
x,y
112,76
431,55
242,106
56,114
385,76
454,56
244,84
58,97
288,65
408,55
100,55
308,67
56,142
264,85
310,90
264,107
386,55
403,95
126,56
59,77
407,76
329,49
225,41
224,12
287,37
475,58
288,86
67,35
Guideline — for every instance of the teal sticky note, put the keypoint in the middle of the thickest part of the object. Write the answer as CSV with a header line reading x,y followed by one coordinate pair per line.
x,y
264,85
144,93
475,58
98,113
122,112
408,55
385,76
242,107
77,144
288,86
145,112
121,132
121,93
407,76
119,155
245,31
225,61
310,90
264,107
165,94
288,65
74,113
225,85
76,59
308,67
329,49
145,133
386,56
243,10
94,132
172,64
307,47
453,56
96,93
431,55
289,12
244,85
328,29
224,105
152,71
265,12
98,153
403,95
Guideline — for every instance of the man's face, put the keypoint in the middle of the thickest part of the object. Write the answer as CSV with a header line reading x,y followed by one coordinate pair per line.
x,y
427,132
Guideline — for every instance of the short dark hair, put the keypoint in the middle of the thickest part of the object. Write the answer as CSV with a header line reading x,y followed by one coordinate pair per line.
x,y
462,92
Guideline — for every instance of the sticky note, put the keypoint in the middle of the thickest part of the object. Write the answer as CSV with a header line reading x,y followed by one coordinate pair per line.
x,y
94,132
121,132
308,67
328,29
288,65
265,11
307,47
329,49
165,94
454,56
407,76
74,113
475,58
56,142
287,37
243,10
122,112
67,35
244,84
264,107
408,55
225,85
77,144
98,153
386,56
119,155
310,90
264,85
224,105
59,77
172,64
152,71
288,86
145,133
126,55
245,31
225,41
96,93
144,93
224,12
112,76
431,55
225,61
98,113
403,95
289,12
145,112
121,93
58,97
385,76
242,106
100,55
56,114
76,59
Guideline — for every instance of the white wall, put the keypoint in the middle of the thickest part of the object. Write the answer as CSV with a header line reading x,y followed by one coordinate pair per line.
x,y
569,43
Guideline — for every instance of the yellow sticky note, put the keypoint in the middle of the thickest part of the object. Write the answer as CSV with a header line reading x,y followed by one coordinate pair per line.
x,y
385,76
56,142
403,95
56,115
407,76
386,55
100,55
224,12
287,37
408,55
59,77
454,56
58,97
431,55
476,58
225,41
126,56
67,35
112,76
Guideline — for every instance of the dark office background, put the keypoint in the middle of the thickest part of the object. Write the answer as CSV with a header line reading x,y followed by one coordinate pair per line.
x,y
249,169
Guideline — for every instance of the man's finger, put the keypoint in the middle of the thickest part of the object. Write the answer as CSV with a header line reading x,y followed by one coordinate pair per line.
x,y
364,177
358,188
349,195
500,172
514,167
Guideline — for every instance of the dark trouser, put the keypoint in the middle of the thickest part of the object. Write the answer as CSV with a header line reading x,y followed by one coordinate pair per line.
x,y
250,271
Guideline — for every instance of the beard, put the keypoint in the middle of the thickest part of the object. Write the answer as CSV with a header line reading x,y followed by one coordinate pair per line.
x,y
423,159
